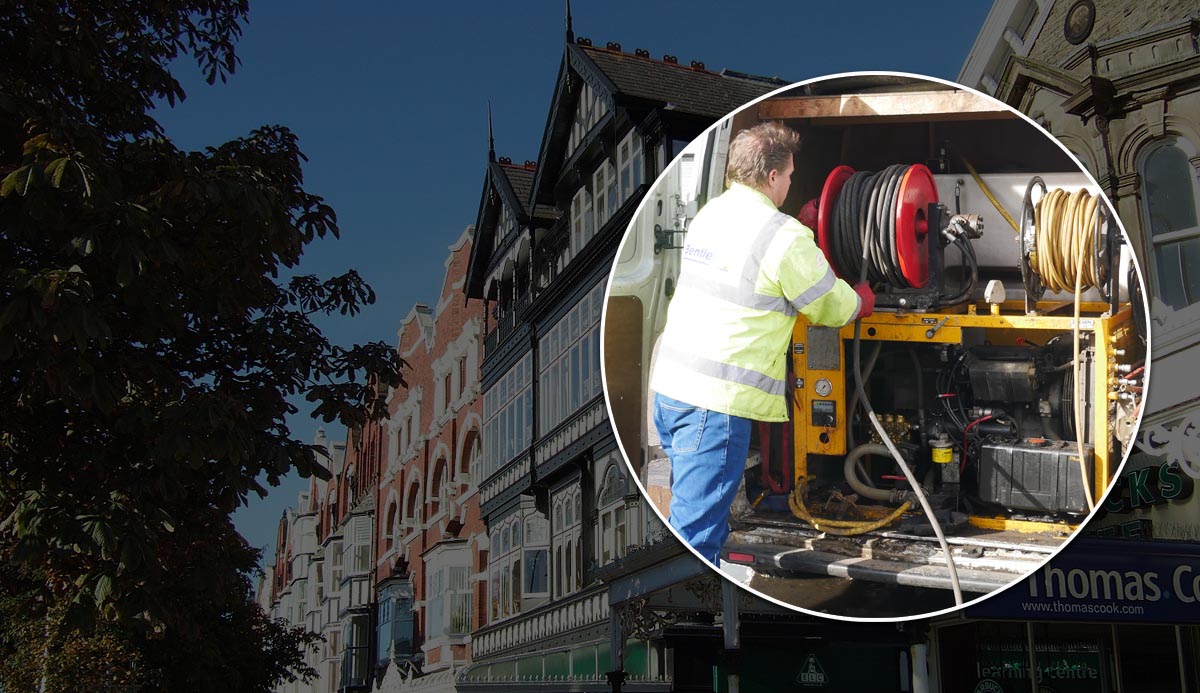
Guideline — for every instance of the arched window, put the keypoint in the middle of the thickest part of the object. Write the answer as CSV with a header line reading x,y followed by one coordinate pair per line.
x,y
412,505
613,487
1169,195
437,492
392,527
612,532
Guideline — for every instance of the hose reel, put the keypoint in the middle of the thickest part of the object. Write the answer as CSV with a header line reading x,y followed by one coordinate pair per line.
x,y
895,212
1060,234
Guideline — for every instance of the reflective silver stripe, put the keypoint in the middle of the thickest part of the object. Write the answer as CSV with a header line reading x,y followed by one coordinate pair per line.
x,y
744,294
758,248
739,297
726,371
823,286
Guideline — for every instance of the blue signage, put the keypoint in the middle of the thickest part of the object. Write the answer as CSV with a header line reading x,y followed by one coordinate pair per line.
x,y
1107,580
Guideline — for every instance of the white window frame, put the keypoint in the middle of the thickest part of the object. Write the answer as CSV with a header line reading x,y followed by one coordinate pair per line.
x,y
570,362
630,164
448,586
567,531
604,193
612,529
581,220
508,425
1179,324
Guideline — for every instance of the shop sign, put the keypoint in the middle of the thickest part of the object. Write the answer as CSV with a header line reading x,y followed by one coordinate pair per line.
x,y
1149,486
1103,580
1151,498
812,675
1061,668
1178,443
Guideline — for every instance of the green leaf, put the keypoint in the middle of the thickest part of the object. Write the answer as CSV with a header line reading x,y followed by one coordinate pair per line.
x,y
55,169
9,185
103,589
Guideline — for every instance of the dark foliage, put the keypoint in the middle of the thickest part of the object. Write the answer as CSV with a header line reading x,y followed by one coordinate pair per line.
x,y
148,344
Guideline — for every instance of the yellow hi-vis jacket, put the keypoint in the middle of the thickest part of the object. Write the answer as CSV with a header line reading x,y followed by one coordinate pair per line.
x,y
747,270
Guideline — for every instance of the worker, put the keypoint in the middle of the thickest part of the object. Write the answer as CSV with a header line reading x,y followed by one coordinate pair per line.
x,y
747,271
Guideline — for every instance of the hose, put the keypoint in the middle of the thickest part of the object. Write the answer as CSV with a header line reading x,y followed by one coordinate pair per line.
x,y
992,198
1064,224
1063,232
869,246
850,470
841,528
912,480
865,218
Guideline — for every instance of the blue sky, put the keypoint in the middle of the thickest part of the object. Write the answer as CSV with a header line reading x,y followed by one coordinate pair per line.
x,y
390,101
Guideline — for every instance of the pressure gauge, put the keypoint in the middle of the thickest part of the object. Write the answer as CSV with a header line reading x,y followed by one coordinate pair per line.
x,y
824,387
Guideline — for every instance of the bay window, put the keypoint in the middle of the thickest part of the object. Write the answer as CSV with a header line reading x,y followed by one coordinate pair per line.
x,y
570,361
508,407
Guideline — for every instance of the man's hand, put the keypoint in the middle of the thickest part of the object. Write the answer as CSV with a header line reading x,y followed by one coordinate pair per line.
x,y
808,214
868,299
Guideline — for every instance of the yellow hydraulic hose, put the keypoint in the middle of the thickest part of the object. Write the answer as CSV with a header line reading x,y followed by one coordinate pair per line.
x,y
841,528
987,191
1065,260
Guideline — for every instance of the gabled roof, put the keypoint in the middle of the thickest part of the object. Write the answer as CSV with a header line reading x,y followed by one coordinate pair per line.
x,y
690,89
513,183
625,79
520,178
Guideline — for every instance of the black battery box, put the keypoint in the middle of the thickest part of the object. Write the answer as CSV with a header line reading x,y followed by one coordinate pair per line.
x,y
1034,474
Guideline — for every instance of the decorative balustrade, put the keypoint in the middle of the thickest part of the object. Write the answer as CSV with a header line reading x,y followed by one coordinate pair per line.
x,y
571,613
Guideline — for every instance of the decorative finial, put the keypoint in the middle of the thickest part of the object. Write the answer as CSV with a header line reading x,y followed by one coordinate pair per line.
x,y
491,137
570,31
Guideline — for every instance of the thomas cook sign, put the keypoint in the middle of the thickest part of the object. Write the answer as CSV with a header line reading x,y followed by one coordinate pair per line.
x,y
1107,580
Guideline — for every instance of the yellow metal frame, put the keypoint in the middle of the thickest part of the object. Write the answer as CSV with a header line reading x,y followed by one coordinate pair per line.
x,y
1003,324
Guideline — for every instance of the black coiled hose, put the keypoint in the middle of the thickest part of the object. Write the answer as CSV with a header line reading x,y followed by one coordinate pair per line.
x,y
865,215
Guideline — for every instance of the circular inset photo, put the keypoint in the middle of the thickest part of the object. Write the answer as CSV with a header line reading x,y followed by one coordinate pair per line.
x,y
875,346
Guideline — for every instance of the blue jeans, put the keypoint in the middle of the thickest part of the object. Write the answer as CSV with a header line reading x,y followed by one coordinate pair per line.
x,y
708,456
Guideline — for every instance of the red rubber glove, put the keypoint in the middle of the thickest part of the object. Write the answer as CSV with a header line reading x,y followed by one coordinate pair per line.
x,y
808,214
868,299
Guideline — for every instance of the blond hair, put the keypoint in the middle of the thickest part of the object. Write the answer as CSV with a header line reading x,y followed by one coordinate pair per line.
x,y
755,152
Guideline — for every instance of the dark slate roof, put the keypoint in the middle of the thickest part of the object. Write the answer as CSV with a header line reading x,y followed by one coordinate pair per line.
x,y
692,90
521,180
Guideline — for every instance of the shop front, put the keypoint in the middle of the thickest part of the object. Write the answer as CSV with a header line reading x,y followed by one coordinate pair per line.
x,y
1117,611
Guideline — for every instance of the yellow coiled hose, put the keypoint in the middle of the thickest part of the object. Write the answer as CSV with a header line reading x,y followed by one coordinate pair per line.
x,y
841,528
1065,224
1065,259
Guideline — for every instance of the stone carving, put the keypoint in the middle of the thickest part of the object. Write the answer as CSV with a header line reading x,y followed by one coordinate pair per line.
x,y
1179,443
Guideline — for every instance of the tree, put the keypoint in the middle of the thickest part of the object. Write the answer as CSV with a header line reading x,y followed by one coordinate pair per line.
x,y
148,342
